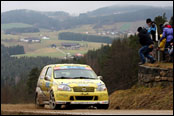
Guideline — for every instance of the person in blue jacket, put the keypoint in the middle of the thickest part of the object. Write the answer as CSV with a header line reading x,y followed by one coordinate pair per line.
x,y
152,28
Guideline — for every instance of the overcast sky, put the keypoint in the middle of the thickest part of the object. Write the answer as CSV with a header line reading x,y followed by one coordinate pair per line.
x,y
73,7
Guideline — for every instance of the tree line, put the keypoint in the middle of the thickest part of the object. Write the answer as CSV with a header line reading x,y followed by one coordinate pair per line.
x,y
22,30
14,50
84,37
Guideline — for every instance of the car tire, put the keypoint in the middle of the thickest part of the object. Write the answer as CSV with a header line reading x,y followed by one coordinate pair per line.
x,y
38,105
105,106
52,102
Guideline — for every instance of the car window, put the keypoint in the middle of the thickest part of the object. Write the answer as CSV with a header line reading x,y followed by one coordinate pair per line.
x,y
42,75
73,73
49,72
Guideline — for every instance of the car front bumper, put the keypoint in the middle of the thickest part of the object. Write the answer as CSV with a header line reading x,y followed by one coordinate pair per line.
x,y
82,102
64,97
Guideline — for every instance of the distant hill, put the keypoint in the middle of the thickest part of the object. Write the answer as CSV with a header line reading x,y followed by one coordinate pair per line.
x,y
116,10
102,16
58,15
29,17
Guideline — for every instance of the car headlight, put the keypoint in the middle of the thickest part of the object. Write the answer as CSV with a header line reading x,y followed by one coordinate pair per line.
x,y
101,88
64,87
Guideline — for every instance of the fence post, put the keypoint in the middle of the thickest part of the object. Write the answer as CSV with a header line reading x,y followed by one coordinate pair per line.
x,y
156,36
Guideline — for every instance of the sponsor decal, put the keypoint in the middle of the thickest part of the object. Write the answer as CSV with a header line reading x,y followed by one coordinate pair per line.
x,y
47,84
63,95
72,67
81,85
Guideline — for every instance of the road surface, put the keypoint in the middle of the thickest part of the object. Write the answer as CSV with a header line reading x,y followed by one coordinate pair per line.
x,y
30,109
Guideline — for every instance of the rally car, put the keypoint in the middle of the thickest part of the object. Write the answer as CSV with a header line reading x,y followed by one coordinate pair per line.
x,y
68,84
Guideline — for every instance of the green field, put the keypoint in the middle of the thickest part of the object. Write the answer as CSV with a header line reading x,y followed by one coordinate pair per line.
x,y
14,25
125,27
43,48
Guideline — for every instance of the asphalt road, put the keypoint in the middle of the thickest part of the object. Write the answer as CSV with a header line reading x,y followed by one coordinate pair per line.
x,y
30,109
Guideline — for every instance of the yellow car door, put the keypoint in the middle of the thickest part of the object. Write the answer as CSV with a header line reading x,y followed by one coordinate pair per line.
x,y
48,82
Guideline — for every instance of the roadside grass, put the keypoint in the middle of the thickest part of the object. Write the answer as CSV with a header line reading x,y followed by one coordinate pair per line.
x,y
156,98
160,64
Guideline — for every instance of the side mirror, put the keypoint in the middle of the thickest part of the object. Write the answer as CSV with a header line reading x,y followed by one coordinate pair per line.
x,y
47,78
100,77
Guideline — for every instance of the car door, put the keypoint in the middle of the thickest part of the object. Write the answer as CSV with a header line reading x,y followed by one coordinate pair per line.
x,y
48,82
41,84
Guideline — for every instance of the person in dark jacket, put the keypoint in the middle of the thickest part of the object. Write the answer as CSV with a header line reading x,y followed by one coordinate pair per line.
x,y
147,46
152,29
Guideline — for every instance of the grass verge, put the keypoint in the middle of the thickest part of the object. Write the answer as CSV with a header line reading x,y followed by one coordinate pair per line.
x,y
156,98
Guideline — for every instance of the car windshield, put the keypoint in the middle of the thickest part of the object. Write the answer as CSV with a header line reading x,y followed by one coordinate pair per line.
x,y
74,74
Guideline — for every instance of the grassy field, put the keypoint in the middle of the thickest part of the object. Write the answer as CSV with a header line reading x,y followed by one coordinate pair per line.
x,y
14,25
124,26
43,48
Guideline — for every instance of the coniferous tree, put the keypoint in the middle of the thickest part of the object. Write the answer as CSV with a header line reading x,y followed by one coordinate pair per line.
x,y
160,20
171,21
32,80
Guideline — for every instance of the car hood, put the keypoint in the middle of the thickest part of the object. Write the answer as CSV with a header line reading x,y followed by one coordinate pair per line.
x,y
80,82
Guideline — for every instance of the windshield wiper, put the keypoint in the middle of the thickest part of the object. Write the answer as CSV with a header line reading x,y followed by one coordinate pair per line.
x,y
63,77
82,78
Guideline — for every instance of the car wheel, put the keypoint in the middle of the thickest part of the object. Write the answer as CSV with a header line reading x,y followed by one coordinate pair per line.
x,y
38,105
52,102
105,106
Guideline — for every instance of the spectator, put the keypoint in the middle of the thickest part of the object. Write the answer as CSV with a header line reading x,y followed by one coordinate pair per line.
x,y
147,46
170,51
152,29
168,34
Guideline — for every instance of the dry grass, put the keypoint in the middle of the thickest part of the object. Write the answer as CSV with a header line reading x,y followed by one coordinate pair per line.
x,y
160,64
17,107
156,98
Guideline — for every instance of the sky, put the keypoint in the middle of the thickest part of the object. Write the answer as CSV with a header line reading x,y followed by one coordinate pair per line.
x,y
73,7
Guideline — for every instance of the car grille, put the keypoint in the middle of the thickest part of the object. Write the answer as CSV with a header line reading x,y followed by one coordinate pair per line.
x,y
83,89
84,97
72,98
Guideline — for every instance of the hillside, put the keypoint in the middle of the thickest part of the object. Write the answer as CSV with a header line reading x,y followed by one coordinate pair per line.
x,y
117,9
156,98
99,17
34,18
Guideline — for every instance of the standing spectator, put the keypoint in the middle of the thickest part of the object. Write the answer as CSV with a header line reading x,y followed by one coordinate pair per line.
x,y
168,34
170,50
147,46
152,29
